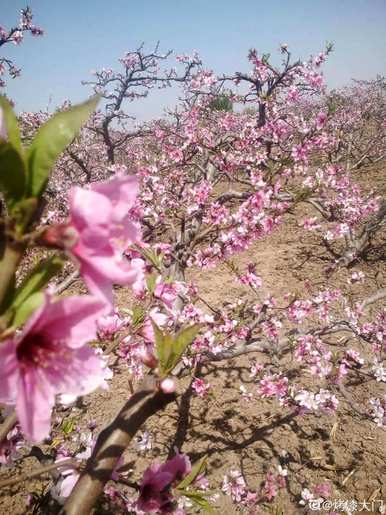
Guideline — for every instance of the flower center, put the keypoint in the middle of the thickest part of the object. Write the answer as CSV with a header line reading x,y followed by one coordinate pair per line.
x,y
36,349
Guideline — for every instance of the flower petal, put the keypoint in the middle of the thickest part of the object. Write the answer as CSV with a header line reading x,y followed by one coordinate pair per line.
x,y
72,319
34,404
9,372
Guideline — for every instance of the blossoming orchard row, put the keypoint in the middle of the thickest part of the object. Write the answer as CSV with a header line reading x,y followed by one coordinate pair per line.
x,y
148,202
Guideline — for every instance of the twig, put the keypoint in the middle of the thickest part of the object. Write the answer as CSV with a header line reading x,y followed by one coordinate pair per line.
x,y
111,444
374,298
7,425
61,287
69,463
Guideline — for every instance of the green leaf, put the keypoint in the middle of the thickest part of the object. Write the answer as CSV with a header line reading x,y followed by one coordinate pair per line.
x,y
38,278
183,339
13,134
163,345
159,344
6,302
151,282
169,349
197,469
52,138
27,308
22,213
68,426
199,499
12,174
137,316
151,256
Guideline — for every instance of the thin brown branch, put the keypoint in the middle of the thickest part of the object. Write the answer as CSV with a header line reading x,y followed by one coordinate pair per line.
x,y
381,294
66,283
7,425
69,463
111,443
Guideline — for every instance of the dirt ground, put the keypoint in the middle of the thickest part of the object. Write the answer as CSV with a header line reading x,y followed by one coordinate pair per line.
x,y
346,450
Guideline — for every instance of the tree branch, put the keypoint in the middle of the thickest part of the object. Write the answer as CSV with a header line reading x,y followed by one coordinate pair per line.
x,y
110,445
7,425
69,463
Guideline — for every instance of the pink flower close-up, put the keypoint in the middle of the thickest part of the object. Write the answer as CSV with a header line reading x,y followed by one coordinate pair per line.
x,y
155,495
50,357
99,231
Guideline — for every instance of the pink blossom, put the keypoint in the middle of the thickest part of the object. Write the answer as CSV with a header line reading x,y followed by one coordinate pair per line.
x,y
168,385
17,37
323,489
352,354
139,285
306,400
36,31
10,446
273,385
166,292
155,495
146,356
98,232
69,475
357,277
300,154
321,120
273,482
250,278
378,411
379,371
311,224
200,387
146,330
326,401
50,357
234,485
293,94
256,368
323,401
109,325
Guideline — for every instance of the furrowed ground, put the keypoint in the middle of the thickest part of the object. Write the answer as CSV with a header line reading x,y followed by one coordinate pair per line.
x,y
346,451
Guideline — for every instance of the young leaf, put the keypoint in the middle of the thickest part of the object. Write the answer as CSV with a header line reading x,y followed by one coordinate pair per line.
x,y
197,469
151,256
27,308
164,345
52,138
198,498
138,315
11,125
169,349
183,339
68,426
151,282
12,174
37,279
22,213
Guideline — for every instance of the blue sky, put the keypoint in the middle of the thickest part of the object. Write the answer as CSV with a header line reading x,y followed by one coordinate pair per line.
x,y
84,35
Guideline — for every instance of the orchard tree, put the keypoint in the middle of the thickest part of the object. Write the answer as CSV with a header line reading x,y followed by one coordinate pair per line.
x,y
15,35
193,189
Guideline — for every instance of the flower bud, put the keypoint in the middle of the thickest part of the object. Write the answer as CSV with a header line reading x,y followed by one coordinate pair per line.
x,y
168,385
59,236
148,358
